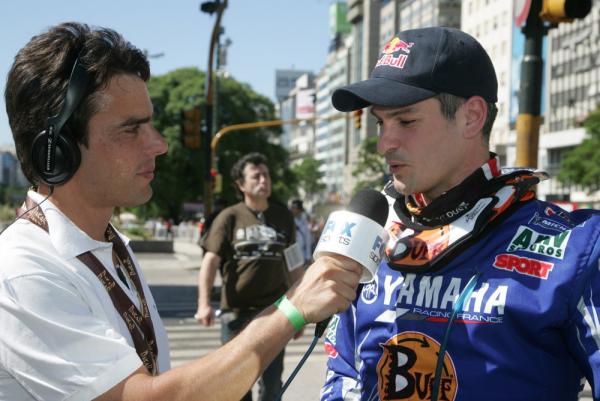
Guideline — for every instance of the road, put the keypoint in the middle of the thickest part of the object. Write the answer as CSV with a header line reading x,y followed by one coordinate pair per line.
x,y
172,279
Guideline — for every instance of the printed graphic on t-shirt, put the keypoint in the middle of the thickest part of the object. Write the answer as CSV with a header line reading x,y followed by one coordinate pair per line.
x,y
258,241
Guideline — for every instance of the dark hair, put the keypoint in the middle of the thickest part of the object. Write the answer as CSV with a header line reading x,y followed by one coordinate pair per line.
x,y
37,81
297,203
255,158
237,171
449,104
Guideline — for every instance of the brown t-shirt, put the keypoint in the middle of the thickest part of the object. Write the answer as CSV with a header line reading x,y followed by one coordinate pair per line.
x,y
251,248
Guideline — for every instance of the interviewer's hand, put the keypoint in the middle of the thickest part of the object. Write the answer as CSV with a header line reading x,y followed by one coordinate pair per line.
x,y
327,287
205,315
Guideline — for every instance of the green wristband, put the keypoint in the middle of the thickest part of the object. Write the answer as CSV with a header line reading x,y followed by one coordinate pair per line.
x,y
291,312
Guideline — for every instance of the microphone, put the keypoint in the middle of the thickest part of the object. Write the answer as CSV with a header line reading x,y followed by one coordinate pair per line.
x,y
356,233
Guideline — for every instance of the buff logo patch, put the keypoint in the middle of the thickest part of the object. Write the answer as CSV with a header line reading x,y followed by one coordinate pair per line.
x,y
529,240
522,265
406,368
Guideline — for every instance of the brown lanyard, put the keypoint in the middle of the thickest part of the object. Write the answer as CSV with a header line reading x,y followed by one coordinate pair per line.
x,y
138,323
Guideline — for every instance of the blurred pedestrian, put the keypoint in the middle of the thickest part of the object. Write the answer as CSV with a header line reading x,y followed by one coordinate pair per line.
x,y
253,244
303,235
169,227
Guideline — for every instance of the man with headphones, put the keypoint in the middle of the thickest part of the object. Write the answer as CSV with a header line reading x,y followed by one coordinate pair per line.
x,y
77,319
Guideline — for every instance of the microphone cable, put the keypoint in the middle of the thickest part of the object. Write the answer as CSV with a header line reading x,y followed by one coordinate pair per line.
x,y
310,349
458,306
29,210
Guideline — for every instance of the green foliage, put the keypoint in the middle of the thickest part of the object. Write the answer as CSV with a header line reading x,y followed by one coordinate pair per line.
x,y
12,196
582,164
179,171
137,233
371,168
308,175
7,213
179,175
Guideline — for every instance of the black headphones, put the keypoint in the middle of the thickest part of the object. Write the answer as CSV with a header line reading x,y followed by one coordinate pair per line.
x,y
55,156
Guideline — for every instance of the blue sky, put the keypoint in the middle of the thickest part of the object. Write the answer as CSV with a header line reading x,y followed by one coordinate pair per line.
x,y
266,34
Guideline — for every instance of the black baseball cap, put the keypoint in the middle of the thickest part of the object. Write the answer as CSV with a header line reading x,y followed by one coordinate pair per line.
x,y
420,63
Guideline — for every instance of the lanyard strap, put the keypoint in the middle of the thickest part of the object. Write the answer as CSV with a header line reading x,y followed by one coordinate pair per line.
x,y
139,323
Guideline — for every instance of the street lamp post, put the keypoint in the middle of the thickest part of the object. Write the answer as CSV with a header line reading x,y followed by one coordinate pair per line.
x,y
210,7
260,124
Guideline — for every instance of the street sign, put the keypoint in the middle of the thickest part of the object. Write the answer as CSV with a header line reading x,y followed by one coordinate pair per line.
x,y
521,11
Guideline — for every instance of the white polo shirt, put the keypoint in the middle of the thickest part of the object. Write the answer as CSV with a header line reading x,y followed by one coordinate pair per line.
x,y
61,338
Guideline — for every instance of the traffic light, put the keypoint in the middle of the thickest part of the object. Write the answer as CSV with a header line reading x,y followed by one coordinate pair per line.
x,y
556,11
358,118
218,184
190,127
216,181
210,7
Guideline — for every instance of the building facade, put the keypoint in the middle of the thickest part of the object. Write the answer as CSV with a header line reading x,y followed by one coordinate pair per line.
x,y
490,22
331,141
570,88
573,91
10,169
301,105
426,13
285,82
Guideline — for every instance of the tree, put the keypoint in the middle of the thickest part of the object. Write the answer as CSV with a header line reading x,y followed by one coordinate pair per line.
x,y
582,164
238,103
370,169
308,176
179,177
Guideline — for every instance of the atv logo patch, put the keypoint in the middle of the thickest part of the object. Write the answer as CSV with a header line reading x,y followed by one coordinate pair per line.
x,y
529,240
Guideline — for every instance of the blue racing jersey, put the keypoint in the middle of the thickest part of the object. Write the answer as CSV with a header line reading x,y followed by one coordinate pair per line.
x,y
530,330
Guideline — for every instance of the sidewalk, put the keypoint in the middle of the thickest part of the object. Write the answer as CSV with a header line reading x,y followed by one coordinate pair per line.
x,y
187,255
177,268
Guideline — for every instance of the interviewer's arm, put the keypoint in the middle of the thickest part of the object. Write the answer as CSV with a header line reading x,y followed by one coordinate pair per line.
x,y
328,287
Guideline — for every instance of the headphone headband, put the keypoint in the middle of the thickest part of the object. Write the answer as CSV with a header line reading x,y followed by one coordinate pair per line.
x,y
78,83
54,155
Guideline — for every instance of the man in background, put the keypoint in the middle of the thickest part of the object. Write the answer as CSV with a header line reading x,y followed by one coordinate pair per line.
x,y
303,234
253,243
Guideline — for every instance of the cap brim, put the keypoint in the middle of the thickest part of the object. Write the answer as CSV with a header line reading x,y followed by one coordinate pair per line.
x,y
377,91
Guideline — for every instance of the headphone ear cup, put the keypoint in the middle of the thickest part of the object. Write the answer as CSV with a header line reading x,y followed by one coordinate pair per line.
x,y
67,158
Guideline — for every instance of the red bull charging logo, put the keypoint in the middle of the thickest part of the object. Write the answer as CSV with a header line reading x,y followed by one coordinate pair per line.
x,y
394,46
397,44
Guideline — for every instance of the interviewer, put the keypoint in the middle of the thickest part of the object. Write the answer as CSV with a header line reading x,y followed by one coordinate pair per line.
x,y
77,319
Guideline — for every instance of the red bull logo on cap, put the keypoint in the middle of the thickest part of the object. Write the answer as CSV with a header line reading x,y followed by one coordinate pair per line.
x,y
397,44
393,46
